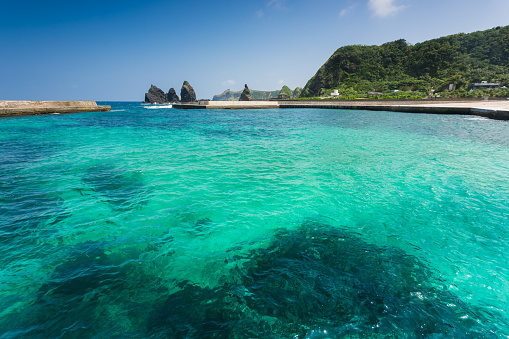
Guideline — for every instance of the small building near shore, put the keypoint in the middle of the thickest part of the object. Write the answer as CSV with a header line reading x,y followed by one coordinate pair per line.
x,y
334,94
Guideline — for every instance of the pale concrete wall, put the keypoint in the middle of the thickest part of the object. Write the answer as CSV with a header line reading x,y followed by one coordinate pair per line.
x,y
242,104
22,108
41,104
495,109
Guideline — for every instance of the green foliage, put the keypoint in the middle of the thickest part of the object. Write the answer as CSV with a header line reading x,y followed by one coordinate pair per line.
x,y
478,93
459,59
286,90
296,92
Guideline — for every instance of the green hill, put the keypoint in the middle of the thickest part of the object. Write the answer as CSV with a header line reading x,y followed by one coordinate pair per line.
x,y
458,60
286,90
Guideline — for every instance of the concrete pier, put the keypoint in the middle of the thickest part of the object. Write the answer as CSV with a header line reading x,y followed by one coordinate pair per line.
x,y
493,108
23,108
208,104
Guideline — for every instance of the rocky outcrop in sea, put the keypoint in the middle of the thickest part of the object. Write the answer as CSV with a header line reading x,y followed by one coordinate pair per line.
x,y
172,95
155,95
187,93
246,94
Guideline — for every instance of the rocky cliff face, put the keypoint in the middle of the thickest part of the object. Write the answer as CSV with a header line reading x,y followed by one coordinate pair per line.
x,y
155,95
172,95
187,93
246,94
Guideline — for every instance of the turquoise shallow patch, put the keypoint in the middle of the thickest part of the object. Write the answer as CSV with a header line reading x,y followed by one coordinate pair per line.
x,y
278,223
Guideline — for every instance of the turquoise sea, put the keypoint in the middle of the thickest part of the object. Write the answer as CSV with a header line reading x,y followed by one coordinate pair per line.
x,y
152,222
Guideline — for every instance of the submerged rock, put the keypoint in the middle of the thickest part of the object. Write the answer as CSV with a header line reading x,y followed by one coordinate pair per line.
x,y
172,95
123,190
246,94
187,93
319,281
155,95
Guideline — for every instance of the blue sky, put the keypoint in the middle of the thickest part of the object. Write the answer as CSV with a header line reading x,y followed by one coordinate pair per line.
x,y
114,50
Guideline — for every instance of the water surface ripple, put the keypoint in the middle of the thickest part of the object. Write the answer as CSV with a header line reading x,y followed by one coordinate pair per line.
x,y
295,223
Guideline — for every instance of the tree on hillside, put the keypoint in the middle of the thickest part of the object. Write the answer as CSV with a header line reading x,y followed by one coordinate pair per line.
x,y
459,59
286,90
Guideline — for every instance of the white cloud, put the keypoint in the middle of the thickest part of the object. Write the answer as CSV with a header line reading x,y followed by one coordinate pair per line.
x,y
384,8
281,81
346,10
259,13
279,4
230,82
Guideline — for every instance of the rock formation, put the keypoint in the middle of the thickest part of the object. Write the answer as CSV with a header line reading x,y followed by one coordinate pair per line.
x,y
155,95
246,94
172,95
187,93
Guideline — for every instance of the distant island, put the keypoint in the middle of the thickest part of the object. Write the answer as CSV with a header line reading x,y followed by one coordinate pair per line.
x,y
459,65
229,95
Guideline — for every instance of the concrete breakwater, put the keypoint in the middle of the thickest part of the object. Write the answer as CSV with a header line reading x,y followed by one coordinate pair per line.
x,y
23,108
494,109
207,104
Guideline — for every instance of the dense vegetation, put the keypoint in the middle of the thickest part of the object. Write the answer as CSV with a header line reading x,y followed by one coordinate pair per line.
x,y
286,90
296,92
460,60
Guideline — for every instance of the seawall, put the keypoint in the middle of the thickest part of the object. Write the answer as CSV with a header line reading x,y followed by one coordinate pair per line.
x,y
208,104
23,108
494,109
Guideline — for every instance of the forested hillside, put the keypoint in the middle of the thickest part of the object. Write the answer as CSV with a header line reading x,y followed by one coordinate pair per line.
x,y
459,59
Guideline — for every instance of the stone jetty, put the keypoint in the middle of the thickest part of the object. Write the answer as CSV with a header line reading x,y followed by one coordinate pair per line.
x,y
22,108
494,109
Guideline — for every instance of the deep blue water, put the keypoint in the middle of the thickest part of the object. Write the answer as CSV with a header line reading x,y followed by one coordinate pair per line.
x,y
152,222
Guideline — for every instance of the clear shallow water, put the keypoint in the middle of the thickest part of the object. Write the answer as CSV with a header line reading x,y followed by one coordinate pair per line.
x,y
164,223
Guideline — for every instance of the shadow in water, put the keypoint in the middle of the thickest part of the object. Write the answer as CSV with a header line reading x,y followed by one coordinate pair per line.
x,y
28,210
315,281
69,302
321,282
87,293
27,201
122,189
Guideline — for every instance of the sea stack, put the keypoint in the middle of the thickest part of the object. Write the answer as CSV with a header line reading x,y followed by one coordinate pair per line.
x,y
172,95
155,95
246,94
187,93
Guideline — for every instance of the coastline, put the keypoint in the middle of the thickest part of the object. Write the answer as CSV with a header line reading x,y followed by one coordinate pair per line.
x,y
493,109
12,108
